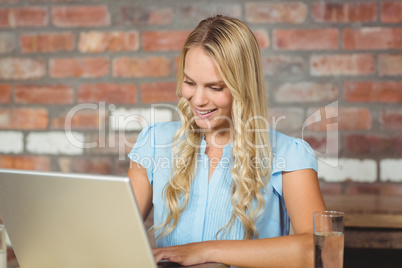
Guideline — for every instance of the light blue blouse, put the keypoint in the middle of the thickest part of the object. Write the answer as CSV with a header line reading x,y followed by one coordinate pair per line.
x,y
209,207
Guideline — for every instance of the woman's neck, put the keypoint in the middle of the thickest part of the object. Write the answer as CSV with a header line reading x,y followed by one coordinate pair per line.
x,y
218,139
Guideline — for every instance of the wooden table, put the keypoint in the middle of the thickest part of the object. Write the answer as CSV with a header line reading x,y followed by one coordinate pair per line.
x,y
371,221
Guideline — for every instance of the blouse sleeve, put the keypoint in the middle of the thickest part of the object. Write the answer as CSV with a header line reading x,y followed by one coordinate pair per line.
x,y
143,151
296,154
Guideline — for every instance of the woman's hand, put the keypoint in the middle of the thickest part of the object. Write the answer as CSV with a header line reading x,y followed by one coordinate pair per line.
x,y
188,254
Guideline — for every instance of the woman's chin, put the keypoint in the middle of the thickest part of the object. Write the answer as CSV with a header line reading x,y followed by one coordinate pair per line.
x,y
203,123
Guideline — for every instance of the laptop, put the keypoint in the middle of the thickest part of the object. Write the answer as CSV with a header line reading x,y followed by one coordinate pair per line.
x,y
60,220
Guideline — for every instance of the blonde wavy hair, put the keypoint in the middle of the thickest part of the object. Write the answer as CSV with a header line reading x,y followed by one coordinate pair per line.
x,y
234,49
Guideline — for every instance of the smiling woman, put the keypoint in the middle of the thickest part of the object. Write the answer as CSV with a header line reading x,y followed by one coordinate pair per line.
x,y
208,96
227,195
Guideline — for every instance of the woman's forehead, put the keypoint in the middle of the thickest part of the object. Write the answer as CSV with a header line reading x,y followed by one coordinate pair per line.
x,y
198,64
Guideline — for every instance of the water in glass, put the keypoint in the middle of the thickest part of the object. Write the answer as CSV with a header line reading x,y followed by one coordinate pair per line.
x,y
328,249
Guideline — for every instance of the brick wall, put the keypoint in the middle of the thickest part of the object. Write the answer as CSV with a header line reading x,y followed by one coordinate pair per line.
x,y
333,72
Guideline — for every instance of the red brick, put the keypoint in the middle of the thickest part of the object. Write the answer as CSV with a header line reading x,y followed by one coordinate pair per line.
x,y
391,189
197,11
367,91
158,92
7,42
391,119
53,1
80,16
306,92
317,143
344,12
163,40
283,65
140,15
115,144
112,93
82,119
262,38
44,94
108,41
328,188
372,38
176,62
22,68
373,145
295,12
141,67
306,39
121,170
79,67
92,165
39,163
23,118
342,64
374,188
389,64
5,93
47,42
285,118
391,11
23,17
348,119
363,188
323,143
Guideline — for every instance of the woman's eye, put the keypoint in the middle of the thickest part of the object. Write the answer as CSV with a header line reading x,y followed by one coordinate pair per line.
x,y
189,83
216,88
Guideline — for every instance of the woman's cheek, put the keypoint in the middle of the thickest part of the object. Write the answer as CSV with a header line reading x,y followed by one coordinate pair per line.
x,y
186,91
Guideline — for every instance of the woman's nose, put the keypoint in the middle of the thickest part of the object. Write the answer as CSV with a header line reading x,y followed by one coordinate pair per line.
x,y
199,98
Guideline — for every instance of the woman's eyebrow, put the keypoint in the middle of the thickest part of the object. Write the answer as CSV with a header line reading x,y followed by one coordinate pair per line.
x,y
221,83
188,77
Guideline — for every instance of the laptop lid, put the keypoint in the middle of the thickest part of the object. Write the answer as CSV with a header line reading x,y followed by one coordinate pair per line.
x,y
72,220
75,220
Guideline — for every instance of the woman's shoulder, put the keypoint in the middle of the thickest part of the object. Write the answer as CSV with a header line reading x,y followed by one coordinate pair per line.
x,y
166,127
162,129
291,153
280,141
155,136
161,132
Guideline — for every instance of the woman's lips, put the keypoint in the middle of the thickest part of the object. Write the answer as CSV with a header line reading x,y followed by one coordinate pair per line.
x,y
206,113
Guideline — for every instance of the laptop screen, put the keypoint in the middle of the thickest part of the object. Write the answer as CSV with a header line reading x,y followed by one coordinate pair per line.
x,y
72,220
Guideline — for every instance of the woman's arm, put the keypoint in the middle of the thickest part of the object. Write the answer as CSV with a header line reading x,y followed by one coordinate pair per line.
x,y
302,197
142,188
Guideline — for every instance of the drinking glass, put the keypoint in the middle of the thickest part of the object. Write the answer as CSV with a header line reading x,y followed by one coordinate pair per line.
x,y
328,239
3,247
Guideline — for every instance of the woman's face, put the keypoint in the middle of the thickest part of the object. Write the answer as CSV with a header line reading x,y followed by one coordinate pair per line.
x,y
205,91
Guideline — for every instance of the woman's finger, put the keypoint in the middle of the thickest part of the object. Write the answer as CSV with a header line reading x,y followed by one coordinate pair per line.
x,y
159,255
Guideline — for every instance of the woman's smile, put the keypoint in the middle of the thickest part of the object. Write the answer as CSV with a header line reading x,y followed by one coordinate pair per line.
x,y
205,113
